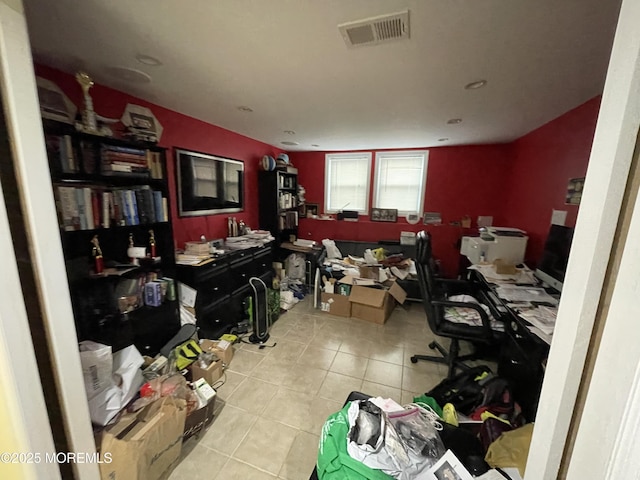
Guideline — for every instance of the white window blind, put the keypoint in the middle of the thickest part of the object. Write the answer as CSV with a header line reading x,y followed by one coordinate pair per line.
x,y
347,177
400,181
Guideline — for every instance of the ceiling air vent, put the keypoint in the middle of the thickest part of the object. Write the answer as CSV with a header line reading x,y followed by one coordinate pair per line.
x,y
375,30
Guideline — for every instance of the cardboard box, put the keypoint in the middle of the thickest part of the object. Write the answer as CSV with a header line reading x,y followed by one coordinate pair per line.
x,y
222,349
199,420
335,304
370,271
145,445
504,268
375,305
211,374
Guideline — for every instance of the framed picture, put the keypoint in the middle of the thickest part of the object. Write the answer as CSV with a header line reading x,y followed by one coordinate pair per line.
x,y
574,191
311,210
384,214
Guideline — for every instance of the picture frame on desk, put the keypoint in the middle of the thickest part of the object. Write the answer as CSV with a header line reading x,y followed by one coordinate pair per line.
x,y
384,214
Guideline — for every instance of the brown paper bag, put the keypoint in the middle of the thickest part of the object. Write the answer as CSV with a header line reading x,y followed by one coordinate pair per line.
x,y
145,445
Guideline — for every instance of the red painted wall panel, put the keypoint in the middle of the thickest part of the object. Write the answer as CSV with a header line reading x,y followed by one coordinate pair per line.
x,y
543,161
467,180
517,183
187,132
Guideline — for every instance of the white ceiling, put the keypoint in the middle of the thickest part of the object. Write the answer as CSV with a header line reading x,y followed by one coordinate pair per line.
x,y
287,61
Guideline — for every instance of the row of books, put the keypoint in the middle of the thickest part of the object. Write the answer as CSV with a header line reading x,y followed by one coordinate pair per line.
x,y
287,200
90,158
288,220
116,160
88,208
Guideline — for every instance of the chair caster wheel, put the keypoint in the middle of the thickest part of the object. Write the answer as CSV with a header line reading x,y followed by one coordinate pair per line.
x,y
432,345
414,360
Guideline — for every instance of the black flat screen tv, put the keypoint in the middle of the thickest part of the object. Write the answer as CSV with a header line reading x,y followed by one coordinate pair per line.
x,y
555,256
208,184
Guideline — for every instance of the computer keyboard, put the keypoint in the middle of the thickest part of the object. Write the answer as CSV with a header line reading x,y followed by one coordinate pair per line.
x,y
496,302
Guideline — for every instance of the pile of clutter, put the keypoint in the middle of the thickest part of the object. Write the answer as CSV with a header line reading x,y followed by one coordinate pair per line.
x,y
389,267
466,425
290,277
254,238
143,408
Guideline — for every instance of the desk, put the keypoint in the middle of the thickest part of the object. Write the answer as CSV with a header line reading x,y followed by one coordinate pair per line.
x,y
523,356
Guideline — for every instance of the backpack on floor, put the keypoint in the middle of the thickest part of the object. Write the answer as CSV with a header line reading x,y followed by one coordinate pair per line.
x,y
464,391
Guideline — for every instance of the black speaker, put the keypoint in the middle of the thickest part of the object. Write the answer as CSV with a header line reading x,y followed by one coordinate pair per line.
x,y
347,214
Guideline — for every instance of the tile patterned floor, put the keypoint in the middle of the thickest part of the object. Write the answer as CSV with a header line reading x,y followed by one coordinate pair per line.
x,y
270,411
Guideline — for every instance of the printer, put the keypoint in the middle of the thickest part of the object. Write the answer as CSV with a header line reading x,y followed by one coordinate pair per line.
x,y
507,244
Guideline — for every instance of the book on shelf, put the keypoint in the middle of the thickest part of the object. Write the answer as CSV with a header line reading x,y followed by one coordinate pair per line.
x,y
61,153
89,207
90,157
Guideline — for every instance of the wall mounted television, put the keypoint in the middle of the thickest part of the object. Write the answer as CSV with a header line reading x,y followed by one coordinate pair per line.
x,y
208,184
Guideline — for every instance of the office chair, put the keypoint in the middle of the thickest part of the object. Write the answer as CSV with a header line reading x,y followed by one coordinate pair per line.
x,y
456,320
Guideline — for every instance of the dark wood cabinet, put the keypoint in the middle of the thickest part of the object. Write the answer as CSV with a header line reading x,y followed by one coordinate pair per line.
x,y
223,286
116,190
278,201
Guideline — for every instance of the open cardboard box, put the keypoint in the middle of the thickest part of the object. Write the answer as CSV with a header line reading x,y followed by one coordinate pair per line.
x,y
374,304
222,349
335,304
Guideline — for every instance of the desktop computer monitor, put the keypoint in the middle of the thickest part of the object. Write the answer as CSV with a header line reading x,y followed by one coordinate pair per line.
x,y
553,264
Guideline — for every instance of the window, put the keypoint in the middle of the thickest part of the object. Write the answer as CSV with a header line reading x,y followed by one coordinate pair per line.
x,y
347,177
400,181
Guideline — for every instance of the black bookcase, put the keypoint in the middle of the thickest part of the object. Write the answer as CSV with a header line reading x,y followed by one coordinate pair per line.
x,y
278,197
115,189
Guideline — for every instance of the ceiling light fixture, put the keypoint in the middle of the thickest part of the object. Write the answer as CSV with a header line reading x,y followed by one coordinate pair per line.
x,y
475,85
289,143
289,132
148,60
454,121
444,139
242,108
129,74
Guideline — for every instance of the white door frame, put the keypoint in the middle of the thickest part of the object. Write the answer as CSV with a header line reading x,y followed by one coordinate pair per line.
x,y
22,113
609,163
23,413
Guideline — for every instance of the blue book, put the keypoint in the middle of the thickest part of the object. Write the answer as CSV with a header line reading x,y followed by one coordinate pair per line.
x,y
157,203
135,218
126,207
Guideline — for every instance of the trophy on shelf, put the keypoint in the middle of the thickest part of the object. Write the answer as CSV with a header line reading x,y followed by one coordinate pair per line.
x,y
96,251
90,118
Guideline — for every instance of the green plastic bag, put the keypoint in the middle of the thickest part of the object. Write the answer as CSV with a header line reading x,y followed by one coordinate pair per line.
x,y
334,462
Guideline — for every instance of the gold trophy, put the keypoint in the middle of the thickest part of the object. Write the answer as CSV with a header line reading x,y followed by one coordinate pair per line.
x,y
89,121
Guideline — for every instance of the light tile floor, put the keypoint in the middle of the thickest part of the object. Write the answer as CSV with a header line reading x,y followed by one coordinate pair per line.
x,y
271,408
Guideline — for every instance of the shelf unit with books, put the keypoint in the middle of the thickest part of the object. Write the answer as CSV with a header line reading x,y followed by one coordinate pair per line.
x,y
116,190
279,203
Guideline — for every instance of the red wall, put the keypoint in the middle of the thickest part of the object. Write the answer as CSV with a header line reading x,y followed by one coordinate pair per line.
x,y
517,183
542,162
182,131
467,180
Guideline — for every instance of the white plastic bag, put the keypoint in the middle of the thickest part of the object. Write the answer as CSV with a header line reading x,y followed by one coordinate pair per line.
x,y
97,367
110,392
332,250
295,265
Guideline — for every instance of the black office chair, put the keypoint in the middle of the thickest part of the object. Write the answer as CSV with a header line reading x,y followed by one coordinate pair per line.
x,y
444,315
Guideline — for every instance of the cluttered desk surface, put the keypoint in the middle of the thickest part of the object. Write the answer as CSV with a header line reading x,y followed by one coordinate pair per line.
x,y
521,293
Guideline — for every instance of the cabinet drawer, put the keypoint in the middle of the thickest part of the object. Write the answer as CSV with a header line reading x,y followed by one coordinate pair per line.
x,y
241,272
213,289
194,276
263,262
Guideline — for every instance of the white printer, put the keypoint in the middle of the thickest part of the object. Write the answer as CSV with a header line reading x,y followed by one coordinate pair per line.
x,y
508,244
